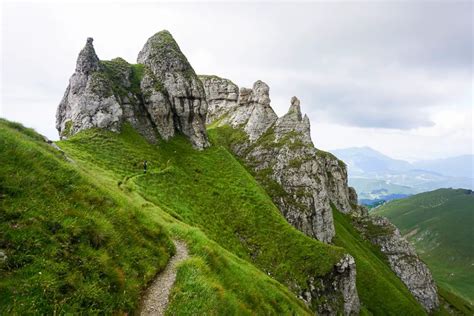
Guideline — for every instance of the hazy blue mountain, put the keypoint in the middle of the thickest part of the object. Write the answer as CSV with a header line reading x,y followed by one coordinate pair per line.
x,y
362,160
379,177
460,166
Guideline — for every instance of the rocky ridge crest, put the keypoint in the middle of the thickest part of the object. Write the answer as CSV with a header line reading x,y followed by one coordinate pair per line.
x,y
294,172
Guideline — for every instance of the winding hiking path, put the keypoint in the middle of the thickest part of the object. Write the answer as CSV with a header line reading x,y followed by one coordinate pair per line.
x,y
157,296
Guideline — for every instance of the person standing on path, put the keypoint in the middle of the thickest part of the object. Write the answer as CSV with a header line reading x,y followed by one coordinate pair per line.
x,y
145,165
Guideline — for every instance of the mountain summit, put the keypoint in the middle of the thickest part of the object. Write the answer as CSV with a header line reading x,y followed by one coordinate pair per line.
x,y
160,97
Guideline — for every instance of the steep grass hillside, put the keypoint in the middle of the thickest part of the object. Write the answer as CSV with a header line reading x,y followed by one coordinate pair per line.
x,y
87,232
70,246
380,290
212,191
77,240
439,223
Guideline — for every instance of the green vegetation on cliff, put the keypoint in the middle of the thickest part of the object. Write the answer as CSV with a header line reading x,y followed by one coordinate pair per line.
x,y
380,290
440,226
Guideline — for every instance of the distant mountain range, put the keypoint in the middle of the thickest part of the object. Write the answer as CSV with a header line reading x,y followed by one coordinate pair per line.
x,y
379,178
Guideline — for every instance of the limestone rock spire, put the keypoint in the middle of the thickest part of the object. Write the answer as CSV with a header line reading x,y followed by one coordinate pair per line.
x,y
186,94
295,108
87,61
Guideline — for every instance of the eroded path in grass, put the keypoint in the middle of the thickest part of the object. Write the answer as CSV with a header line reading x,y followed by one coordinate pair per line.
x,y
157,296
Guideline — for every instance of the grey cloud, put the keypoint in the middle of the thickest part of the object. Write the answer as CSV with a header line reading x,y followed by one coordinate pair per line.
x,y
366,64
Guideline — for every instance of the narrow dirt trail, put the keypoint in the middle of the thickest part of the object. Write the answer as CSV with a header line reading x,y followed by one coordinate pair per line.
x,y
157,296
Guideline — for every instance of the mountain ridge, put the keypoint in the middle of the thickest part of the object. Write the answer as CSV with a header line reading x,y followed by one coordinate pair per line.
x,y
260,207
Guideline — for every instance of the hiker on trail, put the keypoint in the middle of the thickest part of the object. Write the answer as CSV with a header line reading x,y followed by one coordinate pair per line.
x,y
145,166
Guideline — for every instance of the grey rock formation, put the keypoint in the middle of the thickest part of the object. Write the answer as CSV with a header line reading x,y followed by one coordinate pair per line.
x,y
402,258
302,180
88,101
160,97
285,162
185,91
252,111
339,284
222,96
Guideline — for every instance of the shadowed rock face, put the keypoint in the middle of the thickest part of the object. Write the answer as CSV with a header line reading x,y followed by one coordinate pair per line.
x,y
160,97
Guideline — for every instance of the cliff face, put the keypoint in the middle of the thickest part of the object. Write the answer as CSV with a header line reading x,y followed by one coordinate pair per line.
x,y
159,97
303,180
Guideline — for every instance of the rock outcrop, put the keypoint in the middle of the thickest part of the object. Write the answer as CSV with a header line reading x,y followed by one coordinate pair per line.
x,y
339,283
159,97
402,258
184,90
302,180
221,94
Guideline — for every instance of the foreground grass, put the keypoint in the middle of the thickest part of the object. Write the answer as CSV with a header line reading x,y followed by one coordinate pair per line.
x,y
99,229
439,224
70,246
80,242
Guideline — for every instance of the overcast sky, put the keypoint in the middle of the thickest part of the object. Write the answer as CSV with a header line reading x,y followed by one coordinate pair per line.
x,y
395,76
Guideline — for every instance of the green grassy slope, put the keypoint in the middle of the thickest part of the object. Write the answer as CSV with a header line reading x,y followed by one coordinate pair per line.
x,y
440,225
212,191
70,246
380,290
78,240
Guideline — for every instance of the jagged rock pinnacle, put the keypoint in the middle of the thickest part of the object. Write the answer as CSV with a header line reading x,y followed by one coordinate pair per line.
x,y
261,93
295,108
87,61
